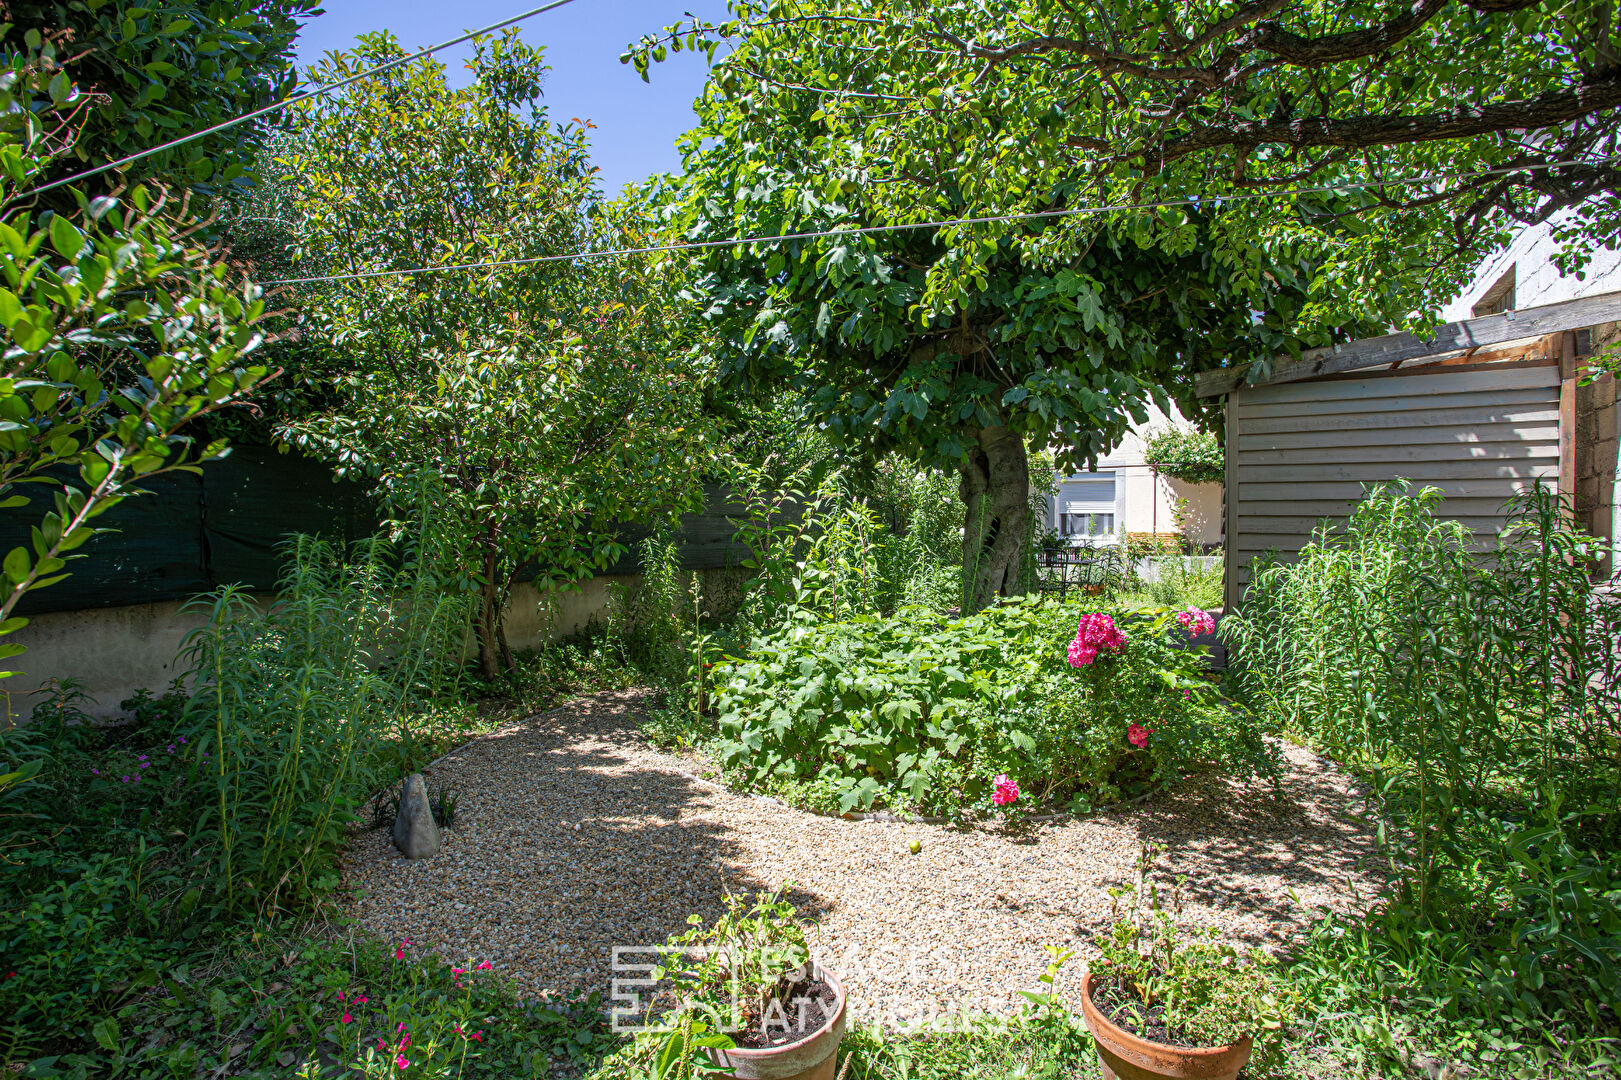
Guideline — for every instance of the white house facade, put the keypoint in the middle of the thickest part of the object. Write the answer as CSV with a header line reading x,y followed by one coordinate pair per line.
x,y
1123,495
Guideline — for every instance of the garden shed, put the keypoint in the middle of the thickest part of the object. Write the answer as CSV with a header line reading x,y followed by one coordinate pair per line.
x,y
1482,409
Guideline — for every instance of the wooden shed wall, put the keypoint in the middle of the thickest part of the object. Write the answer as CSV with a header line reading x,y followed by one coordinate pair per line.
x,y
1304,451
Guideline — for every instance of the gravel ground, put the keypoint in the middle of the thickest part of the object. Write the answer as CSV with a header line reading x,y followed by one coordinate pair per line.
x,y
574,835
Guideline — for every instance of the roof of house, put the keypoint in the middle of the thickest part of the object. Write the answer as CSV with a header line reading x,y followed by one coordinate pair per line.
x,y
1464,337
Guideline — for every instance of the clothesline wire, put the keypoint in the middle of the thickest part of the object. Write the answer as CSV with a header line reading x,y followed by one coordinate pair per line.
x,y
864,230
294,100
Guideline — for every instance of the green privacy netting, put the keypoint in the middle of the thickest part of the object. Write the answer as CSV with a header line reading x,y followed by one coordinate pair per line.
x,y
192,533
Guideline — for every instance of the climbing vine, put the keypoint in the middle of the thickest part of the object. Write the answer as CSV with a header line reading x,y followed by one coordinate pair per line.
x,y
1186,454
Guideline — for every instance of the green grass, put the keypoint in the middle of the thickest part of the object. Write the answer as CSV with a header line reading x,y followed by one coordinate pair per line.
x,y
1178,587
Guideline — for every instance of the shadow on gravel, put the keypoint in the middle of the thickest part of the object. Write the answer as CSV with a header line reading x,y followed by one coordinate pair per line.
x,y
1243,844
597,850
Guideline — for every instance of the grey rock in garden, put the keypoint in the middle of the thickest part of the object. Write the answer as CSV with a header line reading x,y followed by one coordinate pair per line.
x,y
415,832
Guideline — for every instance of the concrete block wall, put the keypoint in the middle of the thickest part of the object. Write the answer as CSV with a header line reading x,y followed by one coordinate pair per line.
x,y
116,651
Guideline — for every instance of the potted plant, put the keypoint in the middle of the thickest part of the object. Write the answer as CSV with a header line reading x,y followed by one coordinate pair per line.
x,y
772,1013
1168,1001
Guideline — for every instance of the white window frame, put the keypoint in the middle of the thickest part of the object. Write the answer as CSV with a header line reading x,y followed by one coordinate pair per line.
x,y
1063,506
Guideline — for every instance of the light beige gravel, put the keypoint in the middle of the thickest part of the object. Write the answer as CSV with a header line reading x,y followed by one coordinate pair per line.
x,y
573,834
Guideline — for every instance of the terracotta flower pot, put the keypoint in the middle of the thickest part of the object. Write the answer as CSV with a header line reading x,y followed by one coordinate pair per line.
x,y
1124,1056
813,1057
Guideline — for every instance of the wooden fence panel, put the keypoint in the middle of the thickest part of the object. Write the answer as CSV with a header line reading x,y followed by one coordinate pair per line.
x,y
1300,453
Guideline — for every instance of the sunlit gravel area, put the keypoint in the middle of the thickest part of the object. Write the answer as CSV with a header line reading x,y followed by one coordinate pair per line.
x,y
574,835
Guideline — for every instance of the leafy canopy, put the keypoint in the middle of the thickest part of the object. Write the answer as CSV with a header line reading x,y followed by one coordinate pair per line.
x,y
120,332
917,339
1186,454
1036,104
148,71
543,401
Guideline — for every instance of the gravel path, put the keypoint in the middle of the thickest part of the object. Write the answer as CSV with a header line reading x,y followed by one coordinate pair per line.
x,y
573,835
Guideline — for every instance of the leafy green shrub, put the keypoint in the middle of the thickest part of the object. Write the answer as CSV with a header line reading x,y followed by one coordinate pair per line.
x,y
100,890
826,555
1531,992
646,623
1179,584
69,939
740,972
919,711
392,1011
1478,686
1478,692
136,841
317,1005
1186,454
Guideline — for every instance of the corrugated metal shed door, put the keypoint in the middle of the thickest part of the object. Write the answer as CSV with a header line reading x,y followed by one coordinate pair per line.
x,y
1305,450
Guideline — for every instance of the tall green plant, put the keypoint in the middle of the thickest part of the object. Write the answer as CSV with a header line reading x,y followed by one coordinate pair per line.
x,y
545,396
1471,682
297,706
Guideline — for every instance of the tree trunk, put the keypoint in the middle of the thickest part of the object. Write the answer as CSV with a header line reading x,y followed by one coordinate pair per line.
x,y
487,630
488,619
995,491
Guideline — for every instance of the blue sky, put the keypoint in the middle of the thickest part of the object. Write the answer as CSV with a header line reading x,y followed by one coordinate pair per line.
x,y
637,123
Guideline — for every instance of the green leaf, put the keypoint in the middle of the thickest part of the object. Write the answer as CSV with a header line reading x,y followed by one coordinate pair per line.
x,y
105,1032
65,237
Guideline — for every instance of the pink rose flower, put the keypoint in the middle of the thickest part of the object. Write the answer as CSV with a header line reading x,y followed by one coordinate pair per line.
x,y
1196,622
1006,791
1137,735
1095,633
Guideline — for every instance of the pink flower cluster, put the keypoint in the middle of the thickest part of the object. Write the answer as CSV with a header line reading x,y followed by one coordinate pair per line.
x,y
347,1018
1196,622
456,973
1095,633
1137,735
401,1062
1006,790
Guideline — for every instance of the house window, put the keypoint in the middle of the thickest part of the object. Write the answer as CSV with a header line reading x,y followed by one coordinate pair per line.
x,y
1086,507
1498,298
1088,526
